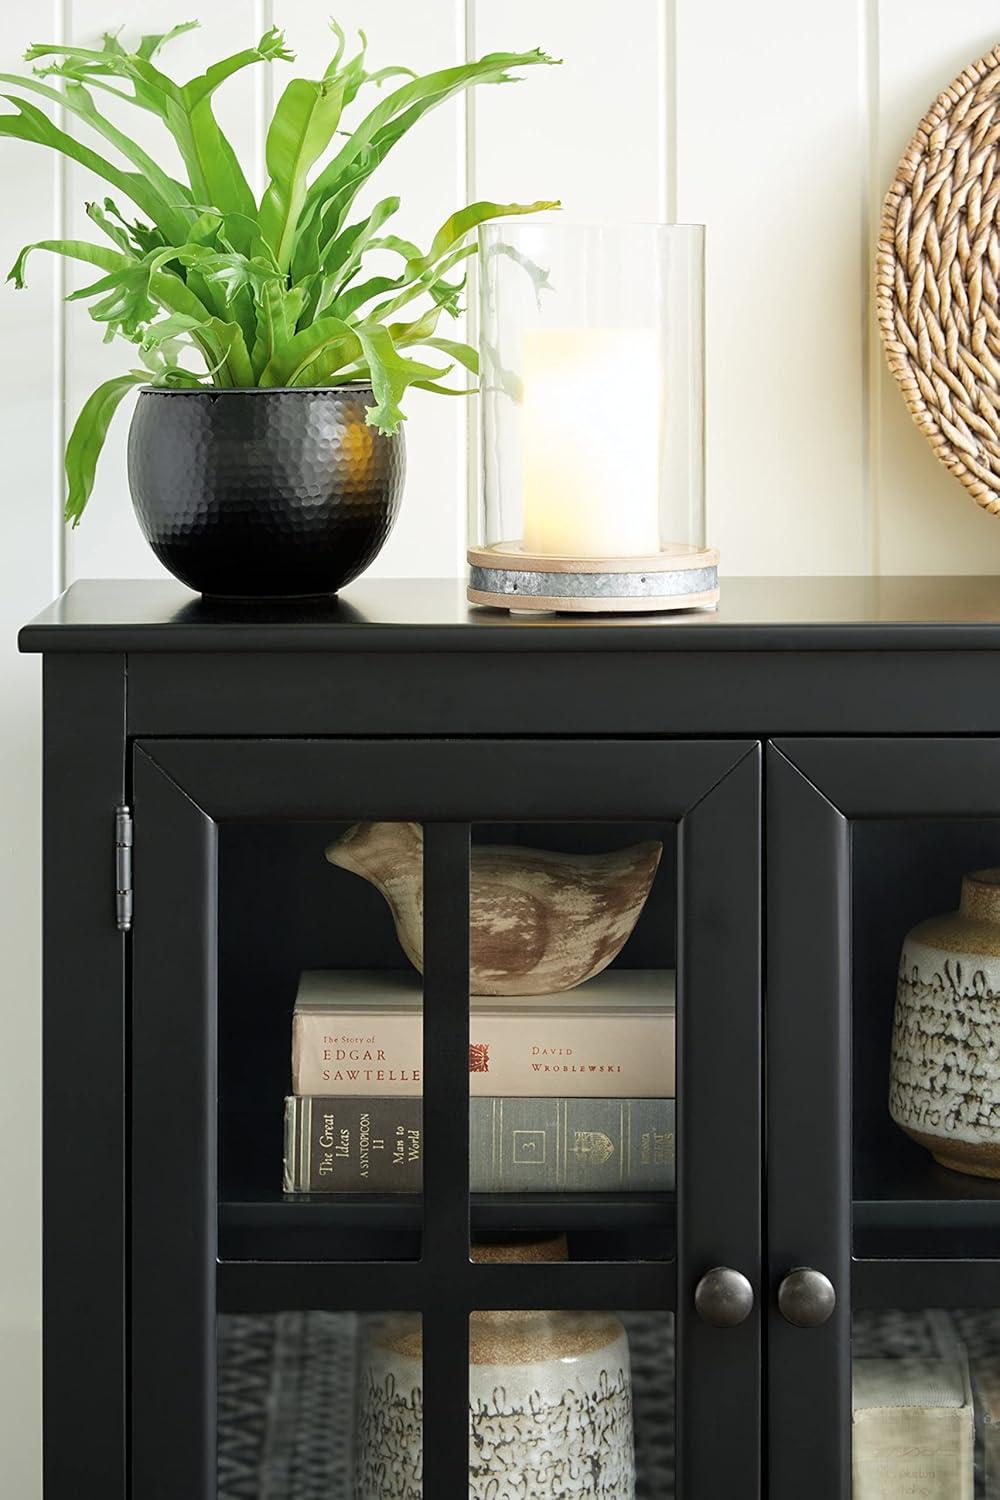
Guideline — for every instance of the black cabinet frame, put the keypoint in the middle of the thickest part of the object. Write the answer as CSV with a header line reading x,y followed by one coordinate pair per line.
x,y
817,790
181,790
197,714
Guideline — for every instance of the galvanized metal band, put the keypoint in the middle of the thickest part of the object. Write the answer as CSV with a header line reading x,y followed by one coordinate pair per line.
x,y
648,585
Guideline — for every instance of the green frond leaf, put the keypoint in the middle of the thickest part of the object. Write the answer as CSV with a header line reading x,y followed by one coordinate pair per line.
x,y
90,55
93,255
150,45
382,74
222,343
176,377
416,285
31,124
165,341
304,121
116,232
391,373
444,390
368,145
340,258
306,346
342,253
215,175
78,101
462,354
278,311
145,239
462,223
87,439
167,330
355,297
417,329
270,47
341,36
127,308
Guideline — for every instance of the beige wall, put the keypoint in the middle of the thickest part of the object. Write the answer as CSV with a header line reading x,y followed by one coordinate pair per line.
x,y
777,124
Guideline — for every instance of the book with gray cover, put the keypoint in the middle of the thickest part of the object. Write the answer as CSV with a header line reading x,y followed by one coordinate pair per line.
x,y
353,1145
571,1145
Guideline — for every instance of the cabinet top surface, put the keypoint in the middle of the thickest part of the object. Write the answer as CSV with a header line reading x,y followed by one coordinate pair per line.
x,y
756,614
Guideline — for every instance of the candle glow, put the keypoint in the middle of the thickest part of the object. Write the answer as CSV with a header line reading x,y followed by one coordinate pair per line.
x,y
590,431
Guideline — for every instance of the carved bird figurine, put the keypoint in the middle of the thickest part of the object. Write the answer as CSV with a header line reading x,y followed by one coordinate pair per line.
x,y
540,922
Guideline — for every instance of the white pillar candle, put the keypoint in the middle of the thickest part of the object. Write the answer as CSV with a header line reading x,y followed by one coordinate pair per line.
x,y
591,425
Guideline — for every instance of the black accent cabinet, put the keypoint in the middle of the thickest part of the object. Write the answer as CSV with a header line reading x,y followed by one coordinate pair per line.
x,y
820,760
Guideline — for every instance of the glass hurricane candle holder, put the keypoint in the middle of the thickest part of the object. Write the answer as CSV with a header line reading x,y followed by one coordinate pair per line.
x,y
592,378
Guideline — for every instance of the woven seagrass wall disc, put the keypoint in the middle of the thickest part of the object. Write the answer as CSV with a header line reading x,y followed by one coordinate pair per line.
x,y
938,270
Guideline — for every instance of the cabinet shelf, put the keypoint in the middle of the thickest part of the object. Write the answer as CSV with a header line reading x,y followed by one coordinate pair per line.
x,y
311,1226
962,1281
906,1206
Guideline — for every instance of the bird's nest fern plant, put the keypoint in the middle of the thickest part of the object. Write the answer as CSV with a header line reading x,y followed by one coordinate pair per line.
x,y
268,294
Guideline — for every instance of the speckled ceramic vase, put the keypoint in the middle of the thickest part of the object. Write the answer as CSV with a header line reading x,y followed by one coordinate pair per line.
x,y
261,494
550,1403
945,1081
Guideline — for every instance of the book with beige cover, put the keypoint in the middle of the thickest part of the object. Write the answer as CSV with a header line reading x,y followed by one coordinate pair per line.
x,y
361,1033
914,1429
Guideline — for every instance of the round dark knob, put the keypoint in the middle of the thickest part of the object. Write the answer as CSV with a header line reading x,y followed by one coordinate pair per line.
x,y
723,1297
806,1298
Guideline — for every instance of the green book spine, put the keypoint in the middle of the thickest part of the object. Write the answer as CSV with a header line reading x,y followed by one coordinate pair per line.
x,y
571,1145
352,1145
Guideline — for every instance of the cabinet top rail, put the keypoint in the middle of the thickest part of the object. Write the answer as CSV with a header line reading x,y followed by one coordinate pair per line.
x,y
756,614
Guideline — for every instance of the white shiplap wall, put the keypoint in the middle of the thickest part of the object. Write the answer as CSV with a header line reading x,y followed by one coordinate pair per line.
x,y
777,124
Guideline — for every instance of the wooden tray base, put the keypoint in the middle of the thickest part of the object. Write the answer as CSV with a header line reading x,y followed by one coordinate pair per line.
x,y
679,577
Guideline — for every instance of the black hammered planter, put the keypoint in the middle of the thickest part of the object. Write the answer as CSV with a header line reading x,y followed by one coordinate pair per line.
x,y
263,493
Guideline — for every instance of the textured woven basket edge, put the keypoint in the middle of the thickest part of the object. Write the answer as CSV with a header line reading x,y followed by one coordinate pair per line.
x,y
896,354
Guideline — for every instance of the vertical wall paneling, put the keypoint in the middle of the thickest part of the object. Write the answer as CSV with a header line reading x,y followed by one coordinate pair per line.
x,y
263,80
669,144
473,449
30,564
589,132
426,170
770,152
873,366
927,522
30,572
108,543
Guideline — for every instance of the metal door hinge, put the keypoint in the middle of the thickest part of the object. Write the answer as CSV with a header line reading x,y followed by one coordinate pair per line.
x,y
124,830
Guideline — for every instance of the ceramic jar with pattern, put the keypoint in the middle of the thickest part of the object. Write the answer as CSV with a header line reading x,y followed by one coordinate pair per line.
x,y
944,1086
550,1403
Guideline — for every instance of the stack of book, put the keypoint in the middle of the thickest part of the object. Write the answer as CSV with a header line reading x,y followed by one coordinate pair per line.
x,y
567,1093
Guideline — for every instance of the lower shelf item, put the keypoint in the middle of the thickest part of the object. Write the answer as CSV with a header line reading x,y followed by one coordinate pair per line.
x,y
550,1401
914,1430
287,1389
930,1409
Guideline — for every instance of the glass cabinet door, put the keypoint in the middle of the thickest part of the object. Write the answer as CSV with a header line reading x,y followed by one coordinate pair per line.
x,y
883,1161
445,1092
